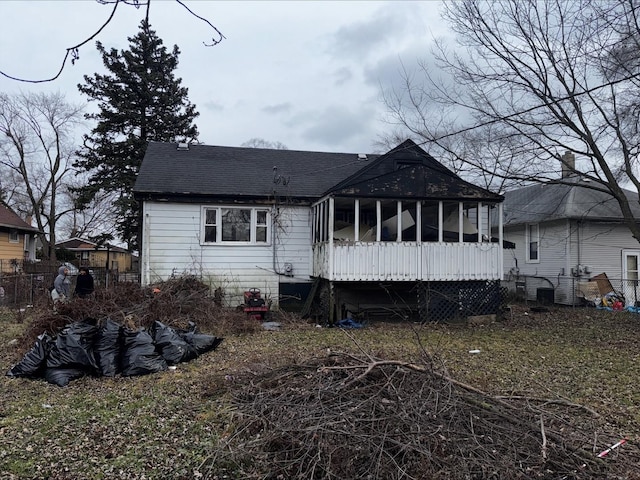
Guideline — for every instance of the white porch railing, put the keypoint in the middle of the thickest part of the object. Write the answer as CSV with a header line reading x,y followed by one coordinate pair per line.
x,y
407,261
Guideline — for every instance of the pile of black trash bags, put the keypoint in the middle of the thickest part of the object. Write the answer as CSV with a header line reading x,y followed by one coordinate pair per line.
x,y
87,348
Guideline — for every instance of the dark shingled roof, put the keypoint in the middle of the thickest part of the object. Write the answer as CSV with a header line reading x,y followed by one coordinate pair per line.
x,y
551,201
204,171
235,171
8,219
420,176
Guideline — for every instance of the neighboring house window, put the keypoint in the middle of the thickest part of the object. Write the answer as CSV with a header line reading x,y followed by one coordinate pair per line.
x,y
533,243
631,265
13,235
235,225
631,274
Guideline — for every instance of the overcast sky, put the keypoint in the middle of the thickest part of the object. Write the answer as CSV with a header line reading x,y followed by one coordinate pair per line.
x,y
307,74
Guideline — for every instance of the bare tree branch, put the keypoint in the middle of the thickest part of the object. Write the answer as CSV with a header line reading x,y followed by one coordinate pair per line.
x,y
73,52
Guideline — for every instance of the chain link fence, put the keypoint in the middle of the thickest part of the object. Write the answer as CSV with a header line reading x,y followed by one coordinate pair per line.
x,y
29,283
598,290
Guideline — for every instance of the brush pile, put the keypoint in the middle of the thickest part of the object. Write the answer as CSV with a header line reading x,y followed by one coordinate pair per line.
x,y
177,303
361,417
126,330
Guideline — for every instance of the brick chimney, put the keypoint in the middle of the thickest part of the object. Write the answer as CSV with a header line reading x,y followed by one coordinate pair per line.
x,y
568,164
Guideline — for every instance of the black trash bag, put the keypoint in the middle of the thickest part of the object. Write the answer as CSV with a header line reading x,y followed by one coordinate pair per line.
x,y
62,376
108,348
173,348
73,347
201,342
139,355
34,361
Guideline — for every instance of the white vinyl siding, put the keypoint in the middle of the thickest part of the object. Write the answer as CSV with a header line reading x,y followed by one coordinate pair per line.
x,y
564,244
173,244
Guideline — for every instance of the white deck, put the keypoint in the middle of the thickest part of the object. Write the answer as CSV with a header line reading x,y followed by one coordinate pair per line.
x,y
407,261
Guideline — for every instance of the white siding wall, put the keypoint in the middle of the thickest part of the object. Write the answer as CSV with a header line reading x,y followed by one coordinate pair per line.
x,y
600,249
171,245
603,245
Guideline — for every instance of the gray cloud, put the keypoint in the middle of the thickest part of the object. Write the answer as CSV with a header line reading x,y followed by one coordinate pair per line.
x,y
342,75
278,108
387,27
213,106
337,124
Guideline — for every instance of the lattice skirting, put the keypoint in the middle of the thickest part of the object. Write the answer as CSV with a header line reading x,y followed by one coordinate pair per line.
x,y
447,301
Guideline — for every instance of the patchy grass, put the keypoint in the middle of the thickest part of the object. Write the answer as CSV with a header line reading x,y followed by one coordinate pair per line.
x,y
167,425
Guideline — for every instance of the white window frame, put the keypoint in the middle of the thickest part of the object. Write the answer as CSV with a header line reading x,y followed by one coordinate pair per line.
x,y
529,241
253,227
628,274
630,277
14,235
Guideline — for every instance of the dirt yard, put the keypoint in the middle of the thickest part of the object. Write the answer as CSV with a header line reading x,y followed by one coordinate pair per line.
x,y
534,395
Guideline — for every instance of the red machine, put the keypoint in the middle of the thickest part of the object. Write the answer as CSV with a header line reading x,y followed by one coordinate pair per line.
x,y
254,305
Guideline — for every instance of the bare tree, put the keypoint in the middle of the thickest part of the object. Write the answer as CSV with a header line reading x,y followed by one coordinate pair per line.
x,y
72,53
530,80
90,219
36,156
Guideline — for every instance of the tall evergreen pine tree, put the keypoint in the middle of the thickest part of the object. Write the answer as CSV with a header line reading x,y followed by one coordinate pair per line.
x,y
140,100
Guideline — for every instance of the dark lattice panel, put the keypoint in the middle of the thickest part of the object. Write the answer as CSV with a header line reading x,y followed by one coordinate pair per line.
x,y
447,301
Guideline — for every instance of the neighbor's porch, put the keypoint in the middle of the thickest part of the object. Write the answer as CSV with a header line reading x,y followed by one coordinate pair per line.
x,y
396,240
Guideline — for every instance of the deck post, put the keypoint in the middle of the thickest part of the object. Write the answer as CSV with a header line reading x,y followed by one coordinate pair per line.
x,y
332,304
440,221
356,218
399,222
460,222
331,228
378,220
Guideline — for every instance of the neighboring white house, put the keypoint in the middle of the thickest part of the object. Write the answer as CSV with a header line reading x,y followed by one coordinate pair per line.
x,y
565,234
351,231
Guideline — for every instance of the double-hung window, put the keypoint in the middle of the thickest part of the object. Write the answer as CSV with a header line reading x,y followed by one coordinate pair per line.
x,y
235,225
533,243
13,235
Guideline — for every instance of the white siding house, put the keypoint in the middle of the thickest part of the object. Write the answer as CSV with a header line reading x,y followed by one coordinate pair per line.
x,y
174,243
325,226
564,235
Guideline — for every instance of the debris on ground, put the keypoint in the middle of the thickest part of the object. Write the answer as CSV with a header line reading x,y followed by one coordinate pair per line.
x,y
88,348
125,330
346,416
177,303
